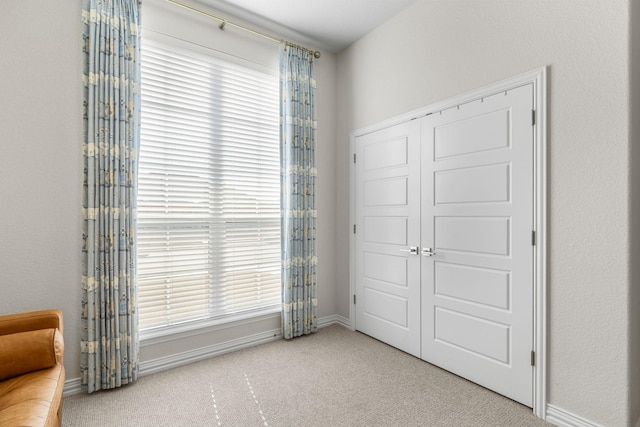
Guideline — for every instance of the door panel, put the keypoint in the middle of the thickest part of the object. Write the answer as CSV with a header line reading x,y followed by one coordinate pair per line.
x,y
474,335
387,175
477,216
482,235
386,192
491,286
488,183
386,307
391,269
389,230
394,152
490,131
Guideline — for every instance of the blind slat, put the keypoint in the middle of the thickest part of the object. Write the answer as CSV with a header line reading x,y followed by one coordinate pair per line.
x,y
208,196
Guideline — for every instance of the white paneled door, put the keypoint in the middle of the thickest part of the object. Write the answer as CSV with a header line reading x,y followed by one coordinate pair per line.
x,y
386,261
444,210
477,260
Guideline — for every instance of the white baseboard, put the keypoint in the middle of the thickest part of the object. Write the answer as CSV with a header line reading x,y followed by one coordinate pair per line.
x,y
73,386
175,360
202,353
333,320
562,418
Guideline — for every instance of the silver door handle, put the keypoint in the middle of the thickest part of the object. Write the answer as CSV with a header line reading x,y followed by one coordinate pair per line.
x,y
413,250
428,252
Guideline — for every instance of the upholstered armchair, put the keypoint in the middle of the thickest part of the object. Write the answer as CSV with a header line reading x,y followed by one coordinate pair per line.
x,y
31,371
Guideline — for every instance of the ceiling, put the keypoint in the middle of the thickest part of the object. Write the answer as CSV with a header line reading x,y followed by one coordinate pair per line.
x,y
325,24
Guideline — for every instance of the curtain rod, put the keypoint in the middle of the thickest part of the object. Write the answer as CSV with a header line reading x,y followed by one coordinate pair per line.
x,y
224,22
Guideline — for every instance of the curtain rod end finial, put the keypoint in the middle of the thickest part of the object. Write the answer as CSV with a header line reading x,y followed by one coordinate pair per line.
x,y
316,54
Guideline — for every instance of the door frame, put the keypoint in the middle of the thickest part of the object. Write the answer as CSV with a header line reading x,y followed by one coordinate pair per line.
x,y
538,78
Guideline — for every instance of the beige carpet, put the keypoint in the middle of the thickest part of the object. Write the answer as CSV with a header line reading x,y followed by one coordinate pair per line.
x,y
335,377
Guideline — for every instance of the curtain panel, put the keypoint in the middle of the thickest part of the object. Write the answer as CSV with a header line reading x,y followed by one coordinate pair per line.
x,y
298,182
111,77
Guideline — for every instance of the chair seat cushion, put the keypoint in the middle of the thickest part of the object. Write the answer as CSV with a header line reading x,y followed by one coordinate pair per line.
x,y
32,399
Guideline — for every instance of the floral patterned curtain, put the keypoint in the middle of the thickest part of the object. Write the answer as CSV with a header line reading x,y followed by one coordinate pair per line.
x,y
109,341
297,179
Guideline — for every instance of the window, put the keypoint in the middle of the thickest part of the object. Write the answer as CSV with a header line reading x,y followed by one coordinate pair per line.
x,y
209,188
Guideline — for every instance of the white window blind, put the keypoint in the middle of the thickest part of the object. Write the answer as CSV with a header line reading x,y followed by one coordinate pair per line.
x,y
209,188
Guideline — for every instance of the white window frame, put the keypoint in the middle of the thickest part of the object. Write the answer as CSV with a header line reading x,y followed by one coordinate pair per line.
x,y
242,316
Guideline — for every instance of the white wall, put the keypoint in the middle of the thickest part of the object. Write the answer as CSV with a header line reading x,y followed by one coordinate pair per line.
x,y
437,49
41,165
41,162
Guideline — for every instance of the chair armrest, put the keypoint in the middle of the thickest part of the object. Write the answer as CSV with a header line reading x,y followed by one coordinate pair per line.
x,y
30,351
33,320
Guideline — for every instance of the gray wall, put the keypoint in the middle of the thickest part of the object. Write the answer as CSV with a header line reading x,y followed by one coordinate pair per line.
x,y
436,49
41,162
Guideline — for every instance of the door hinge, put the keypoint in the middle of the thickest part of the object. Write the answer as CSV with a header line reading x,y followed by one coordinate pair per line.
x,y
354,157
533,358
533,117
354,229
533,238
354,299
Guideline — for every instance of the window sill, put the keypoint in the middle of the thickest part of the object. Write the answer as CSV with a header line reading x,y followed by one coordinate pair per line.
x,y
152,337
